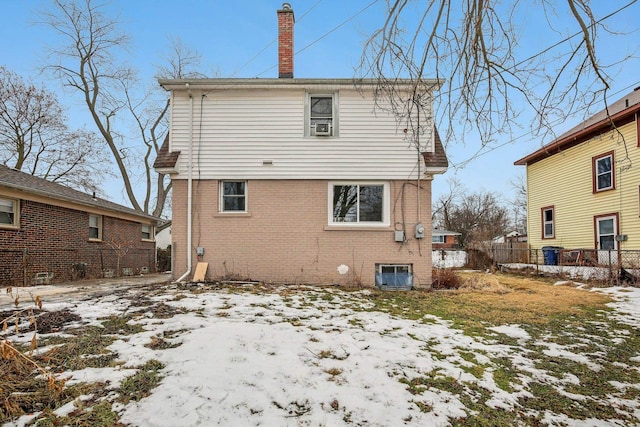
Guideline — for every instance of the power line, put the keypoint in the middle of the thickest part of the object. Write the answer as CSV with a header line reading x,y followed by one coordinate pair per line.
x,y
351,18
272,41
480,153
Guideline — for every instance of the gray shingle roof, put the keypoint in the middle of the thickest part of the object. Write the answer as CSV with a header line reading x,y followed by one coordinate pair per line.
x,y
14,179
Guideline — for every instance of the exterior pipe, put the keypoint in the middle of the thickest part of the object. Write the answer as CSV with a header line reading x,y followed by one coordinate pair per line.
x,y
189,187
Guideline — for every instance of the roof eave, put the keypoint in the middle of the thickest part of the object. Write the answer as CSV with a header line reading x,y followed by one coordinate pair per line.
x,y
577,137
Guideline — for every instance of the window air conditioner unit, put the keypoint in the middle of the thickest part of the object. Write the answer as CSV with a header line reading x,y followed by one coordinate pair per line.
x,y
323,129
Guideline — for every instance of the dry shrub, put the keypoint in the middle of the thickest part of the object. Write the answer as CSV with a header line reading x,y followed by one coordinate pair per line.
x,y
445,278
485,283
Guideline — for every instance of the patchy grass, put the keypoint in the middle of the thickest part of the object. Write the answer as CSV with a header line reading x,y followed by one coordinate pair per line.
x,y
140,385
508,300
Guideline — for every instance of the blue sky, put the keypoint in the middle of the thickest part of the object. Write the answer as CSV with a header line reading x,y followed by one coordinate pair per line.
x,y
238,39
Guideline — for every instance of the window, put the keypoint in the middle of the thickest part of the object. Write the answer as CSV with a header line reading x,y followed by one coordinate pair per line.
x,y
95,227
606,230
438,239
147,232
548,223
233,196
394,275
362,203
9,213
321,117
603,176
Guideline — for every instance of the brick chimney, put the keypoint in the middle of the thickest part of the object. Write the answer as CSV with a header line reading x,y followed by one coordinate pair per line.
x,y
285,41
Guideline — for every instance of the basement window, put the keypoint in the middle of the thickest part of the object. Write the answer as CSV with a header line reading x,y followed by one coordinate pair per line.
x,y
398,276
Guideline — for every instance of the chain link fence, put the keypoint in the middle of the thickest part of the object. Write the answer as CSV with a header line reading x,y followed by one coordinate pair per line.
x,y
612,267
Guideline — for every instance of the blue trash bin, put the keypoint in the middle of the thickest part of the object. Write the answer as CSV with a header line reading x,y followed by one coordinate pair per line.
x,y
550,254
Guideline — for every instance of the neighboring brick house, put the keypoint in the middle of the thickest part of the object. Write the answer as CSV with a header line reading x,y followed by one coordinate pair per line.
x,y
594,173
444,239
51,233
294,180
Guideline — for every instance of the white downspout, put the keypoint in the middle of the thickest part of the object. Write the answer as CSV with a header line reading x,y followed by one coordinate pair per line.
x,y
189,187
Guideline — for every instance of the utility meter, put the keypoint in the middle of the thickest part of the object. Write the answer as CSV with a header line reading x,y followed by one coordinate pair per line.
x,y
419,231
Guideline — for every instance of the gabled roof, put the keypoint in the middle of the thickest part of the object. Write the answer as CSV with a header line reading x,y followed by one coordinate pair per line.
x,y
620,112
438,158
439,232
16,180
166,159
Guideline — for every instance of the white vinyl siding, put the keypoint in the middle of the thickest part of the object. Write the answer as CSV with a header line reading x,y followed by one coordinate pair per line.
x,y
260,134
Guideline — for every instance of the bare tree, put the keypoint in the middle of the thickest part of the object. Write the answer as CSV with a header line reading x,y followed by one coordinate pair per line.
x,y
87,64
35,137
519,203
478,216
489,76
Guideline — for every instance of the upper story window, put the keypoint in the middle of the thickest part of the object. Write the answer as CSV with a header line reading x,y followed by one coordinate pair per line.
x,y
548,223
9,209
95,227
603,173
359,203
147,232
233,196
321,115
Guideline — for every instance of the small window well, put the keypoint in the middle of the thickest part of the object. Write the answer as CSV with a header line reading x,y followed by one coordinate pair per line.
x,y
394,276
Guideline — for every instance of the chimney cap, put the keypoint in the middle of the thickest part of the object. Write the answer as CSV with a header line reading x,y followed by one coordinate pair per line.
x,y
286,6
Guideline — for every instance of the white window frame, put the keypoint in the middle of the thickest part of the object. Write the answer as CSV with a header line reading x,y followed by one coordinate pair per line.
x,y
614,221
551,222
409,267
441,238
150,232
222,196
309,129
99,227
596,174
386,203
15,206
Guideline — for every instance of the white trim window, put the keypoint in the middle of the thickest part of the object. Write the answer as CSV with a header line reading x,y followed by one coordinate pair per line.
x,y
606,232
95,227
147,232
603,177
321,118
394,275
438,238
9,213
548,223
359,203
233,196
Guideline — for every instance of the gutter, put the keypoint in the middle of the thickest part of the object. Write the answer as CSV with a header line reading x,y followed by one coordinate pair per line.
x,y
189,188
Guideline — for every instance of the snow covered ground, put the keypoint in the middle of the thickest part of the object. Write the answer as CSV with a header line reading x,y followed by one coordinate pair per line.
x,y
321,357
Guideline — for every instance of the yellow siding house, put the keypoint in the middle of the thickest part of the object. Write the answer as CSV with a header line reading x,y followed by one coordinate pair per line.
x,y
584,187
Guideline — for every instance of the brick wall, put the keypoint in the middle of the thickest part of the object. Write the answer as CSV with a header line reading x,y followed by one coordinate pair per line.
x,y
285,238
54,239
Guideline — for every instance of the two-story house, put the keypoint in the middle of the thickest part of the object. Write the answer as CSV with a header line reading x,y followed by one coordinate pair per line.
x,y
584,187
294,180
